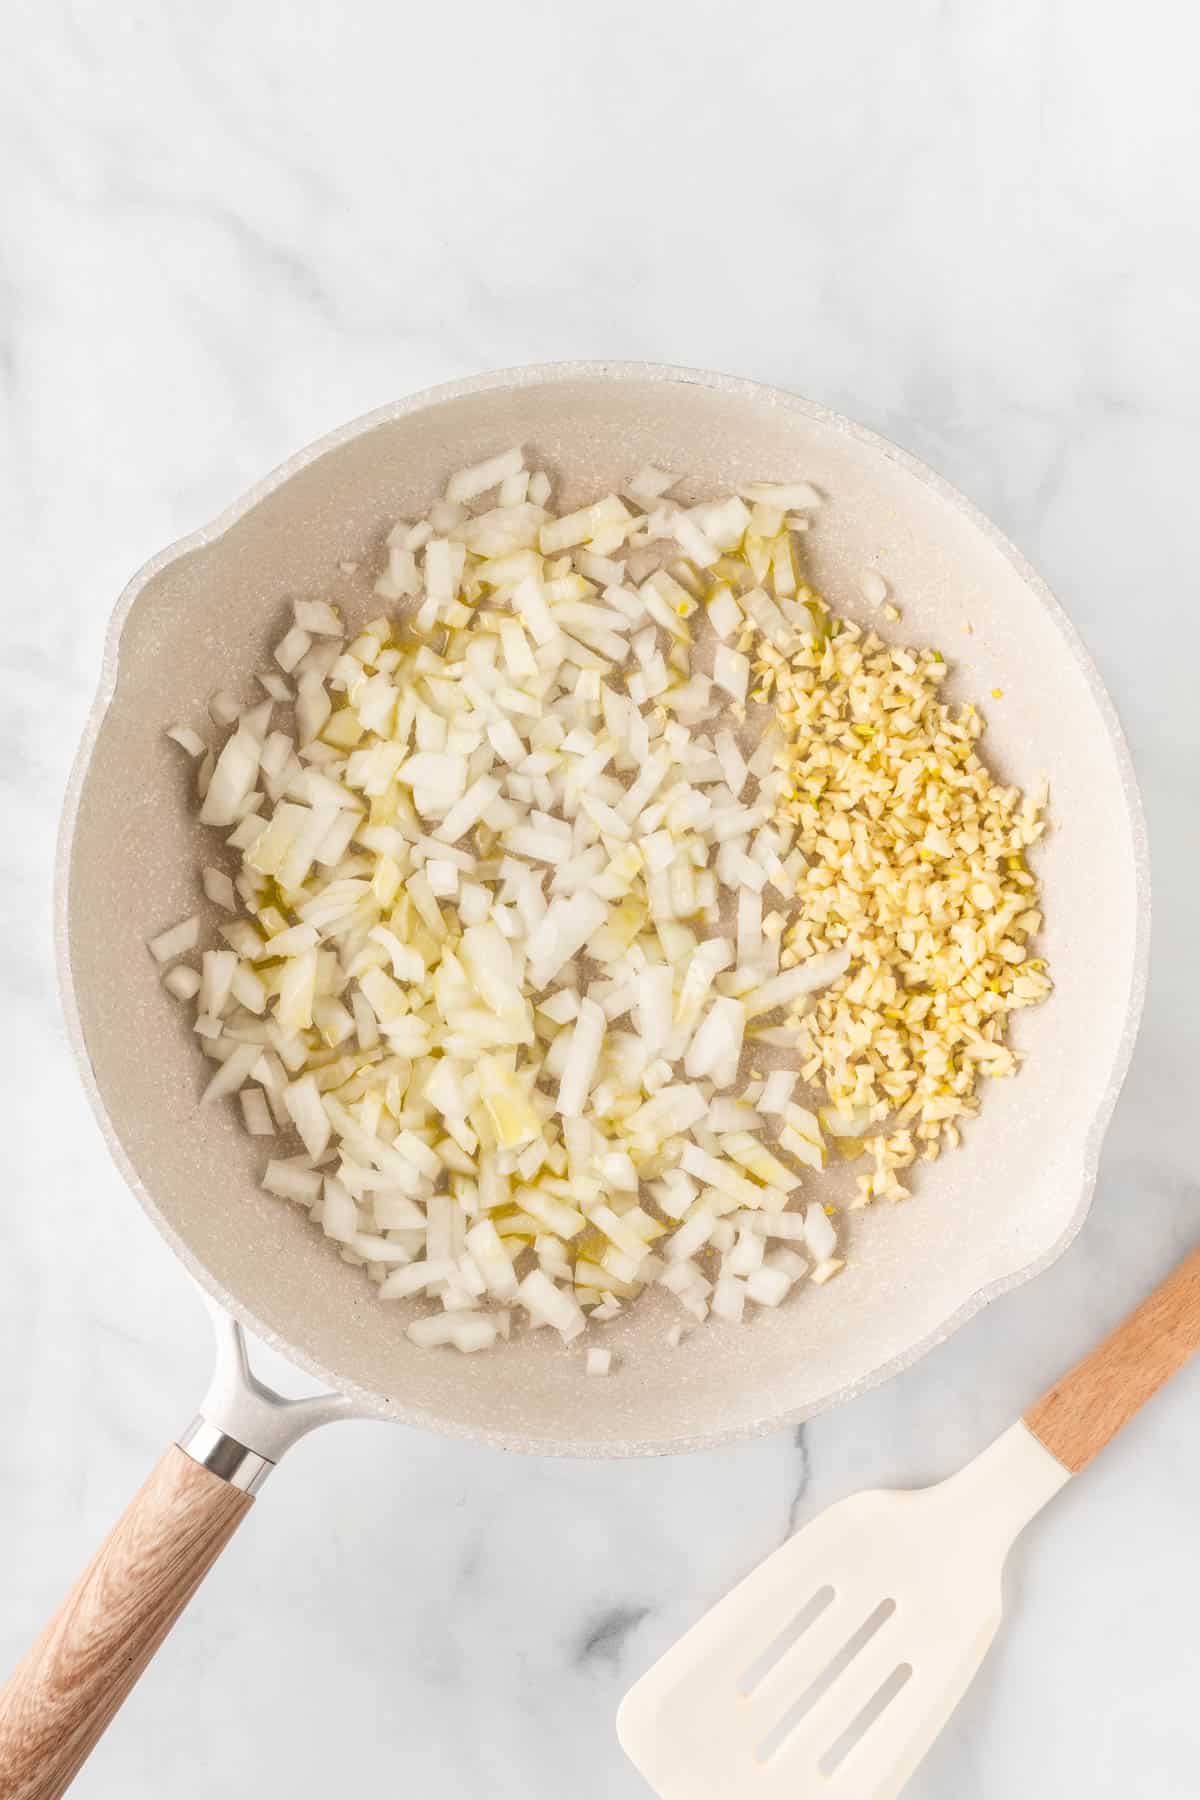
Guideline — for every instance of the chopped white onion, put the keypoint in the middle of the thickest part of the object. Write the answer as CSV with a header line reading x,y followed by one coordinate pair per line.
x,y
819,1233
181,981
187,739
486,869
582,1057
176,940
731,671
805,978
468,484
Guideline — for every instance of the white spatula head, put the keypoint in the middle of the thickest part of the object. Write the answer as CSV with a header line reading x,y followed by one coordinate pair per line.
x,y
831,1669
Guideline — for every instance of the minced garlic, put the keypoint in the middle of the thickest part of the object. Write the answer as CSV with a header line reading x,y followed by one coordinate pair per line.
x,y
916,860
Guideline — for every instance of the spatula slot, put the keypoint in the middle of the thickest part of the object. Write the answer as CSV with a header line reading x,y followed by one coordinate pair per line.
x,y
791,1634
837,1665
858,1728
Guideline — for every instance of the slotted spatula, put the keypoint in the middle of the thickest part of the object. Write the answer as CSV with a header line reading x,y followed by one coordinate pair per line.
x,y
831,1669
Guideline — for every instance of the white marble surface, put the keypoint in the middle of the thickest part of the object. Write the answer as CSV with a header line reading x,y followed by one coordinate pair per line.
x,y
224,230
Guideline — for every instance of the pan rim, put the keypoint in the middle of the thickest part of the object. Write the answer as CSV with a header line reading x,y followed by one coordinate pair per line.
x,y
368,1402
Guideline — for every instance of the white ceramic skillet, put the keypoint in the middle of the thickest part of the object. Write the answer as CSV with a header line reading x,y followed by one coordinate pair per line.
x,y
983,1220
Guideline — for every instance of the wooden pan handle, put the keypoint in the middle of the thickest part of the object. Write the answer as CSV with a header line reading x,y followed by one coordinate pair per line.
x,y
1080,1413
59,1701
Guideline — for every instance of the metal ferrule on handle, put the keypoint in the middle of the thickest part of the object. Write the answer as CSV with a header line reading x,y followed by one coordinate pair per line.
x,y
221,1455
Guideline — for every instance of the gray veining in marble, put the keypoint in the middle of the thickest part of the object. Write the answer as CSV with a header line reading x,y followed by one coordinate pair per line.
x,y
224,230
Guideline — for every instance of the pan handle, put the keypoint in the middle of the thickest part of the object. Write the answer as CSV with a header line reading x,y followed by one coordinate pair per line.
x,y
60,1699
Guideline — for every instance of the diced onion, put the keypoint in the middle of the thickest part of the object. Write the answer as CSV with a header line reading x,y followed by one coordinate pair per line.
x,y
187,739
176,940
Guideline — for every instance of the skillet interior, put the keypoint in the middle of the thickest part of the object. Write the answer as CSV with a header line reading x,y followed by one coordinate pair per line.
x,y
210,610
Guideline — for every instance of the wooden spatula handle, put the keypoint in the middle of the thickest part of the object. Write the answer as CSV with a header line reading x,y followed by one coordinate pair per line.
x,y
1080,1413
60,1699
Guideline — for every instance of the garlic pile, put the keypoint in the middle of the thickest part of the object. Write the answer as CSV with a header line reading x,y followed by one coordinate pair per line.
x,y
915,864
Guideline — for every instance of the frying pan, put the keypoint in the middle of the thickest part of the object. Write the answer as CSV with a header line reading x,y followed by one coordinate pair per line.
x,y
205,612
